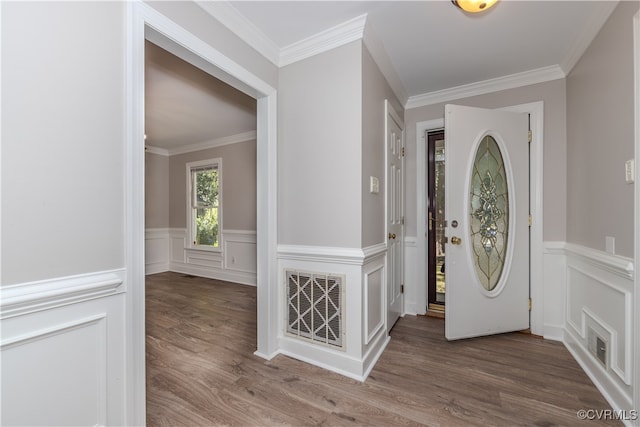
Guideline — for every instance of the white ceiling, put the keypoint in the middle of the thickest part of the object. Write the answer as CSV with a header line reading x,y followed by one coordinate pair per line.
x,y
185,106
432,46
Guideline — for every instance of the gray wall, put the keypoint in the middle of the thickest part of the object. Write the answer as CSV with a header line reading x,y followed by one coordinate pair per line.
x,y
320,149
375,90
156,196
62,139
600,132
238,185
555,149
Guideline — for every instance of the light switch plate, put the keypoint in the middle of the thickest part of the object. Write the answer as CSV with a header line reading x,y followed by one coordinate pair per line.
x,y
610,244
629,170
374,185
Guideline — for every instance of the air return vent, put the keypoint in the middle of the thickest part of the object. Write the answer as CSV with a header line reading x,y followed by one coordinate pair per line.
x,y
315,303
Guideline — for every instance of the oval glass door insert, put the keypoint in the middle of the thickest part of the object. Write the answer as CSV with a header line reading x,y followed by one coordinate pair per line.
x,y
489,208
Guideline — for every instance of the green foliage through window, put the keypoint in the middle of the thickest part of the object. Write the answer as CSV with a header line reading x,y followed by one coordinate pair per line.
x,y
205,184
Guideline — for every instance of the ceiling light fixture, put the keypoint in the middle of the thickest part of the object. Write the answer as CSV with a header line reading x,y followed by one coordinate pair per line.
x,y
474,6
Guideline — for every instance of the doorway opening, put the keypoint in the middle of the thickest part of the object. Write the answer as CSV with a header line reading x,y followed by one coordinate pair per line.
x,y
436,277
146,23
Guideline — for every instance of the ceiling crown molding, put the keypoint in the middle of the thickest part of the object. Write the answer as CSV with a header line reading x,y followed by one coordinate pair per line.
x,y
589,32
198,146
218,142
229,16
156,150
324,41
526,78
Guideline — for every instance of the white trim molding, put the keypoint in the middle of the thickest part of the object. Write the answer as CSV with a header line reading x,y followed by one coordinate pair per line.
x,y
351,256
235,262
636,288
64,340
365,336
229,16
589,32
157,244
204,145
599,302
324,41
32,297
525,78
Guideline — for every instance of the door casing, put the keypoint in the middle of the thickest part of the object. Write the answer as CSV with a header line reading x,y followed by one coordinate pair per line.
x,y
144,22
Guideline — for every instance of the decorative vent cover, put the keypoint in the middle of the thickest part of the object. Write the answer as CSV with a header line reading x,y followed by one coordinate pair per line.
x,y
315,306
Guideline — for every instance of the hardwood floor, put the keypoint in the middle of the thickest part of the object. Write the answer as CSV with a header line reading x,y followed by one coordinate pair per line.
x,y
201,371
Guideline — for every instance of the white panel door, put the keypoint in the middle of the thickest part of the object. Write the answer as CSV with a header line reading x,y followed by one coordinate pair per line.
x,y
395,212
487,206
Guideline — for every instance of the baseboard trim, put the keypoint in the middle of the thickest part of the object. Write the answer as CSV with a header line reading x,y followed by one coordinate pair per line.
x,y
553,332
210,273
371,358
155,268
617,398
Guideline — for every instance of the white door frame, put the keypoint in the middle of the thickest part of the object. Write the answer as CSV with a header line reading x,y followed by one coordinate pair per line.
x,y
636,288
144,22
536,110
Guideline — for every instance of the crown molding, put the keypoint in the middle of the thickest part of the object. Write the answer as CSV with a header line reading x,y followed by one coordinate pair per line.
x,y
589,32
526,78
229,16
324,41
218,142
204,145
156,150
381,58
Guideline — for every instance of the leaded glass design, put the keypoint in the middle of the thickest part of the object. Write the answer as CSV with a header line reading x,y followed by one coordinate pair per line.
x,y
489,207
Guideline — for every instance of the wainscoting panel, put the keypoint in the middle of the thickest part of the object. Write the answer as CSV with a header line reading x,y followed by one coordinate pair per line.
x,y
63,351
235,262
239,248
156,247
599,319
364,310
415,291
554,277
374,302
177,244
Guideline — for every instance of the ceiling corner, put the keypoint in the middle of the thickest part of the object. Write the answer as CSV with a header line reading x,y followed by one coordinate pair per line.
x,y
586,36
324,41
381,57
229,16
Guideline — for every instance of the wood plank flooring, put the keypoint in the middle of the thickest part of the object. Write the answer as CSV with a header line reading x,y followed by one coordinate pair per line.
x,y
201,371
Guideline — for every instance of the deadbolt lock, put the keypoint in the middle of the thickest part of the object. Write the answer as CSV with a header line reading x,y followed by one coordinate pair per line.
x,y
455,240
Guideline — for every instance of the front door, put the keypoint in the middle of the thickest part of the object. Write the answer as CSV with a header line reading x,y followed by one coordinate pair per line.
x,y
487,209
395,214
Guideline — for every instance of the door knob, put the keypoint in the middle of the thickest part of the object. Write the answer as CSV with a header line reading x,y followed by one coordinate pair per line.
x,y
455,240
392,236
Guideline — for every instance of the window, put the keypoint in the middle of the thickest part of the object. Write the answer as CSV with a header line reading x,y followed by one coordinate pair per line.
x,y
204,198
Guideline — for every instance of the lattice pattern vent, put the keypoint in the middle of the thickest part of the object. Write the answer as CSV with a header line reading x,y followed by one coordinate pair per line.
x,y
315,304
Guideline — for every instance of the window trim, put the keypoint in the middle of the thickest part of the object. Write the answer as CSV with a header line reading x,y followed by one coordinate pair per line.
x,y
191,220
